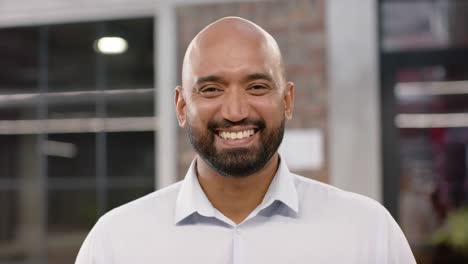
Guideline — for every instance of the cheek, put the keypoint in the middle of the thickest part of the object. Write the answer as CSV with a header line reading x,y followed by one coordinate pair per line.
x,y
269,108
201,112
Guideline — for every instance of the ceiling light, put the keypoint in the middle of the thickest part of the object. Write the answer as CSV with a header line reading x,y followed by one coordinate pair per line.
x,y
111,45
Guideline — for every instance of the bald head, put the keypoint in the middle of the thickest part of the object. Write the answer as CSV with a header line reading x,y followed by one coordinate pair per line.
x,y
234,99
228,43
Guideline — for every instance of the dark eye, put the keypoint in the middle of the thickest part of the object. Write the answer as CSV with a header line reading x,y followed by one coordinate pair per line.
x,y
258,89
210,91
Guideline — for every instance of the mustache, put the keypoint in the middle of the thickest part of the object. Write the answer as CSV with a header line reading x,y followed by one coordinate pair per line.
x,y
225,124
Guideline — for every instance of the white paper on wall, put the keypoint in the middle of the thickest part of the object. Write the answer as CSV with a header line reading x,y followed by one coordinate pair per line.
x,y
302,149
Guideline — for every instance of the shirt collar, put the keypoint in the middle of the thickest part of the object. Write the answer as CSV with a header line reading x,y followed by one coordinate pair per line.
x,y
191,197
282,189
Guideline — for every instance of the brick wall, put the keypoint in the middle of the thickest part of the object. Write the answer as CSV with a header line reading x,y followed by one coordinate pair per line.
x,y
299,28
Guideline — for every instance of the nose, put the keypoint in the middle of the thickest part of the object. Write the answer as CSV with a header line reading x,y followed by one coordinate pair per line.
x,y
235,106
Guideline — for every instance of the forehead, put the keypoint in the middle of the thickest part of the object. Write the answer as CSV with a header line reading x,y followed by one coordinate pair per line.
x,y
231,50
231,55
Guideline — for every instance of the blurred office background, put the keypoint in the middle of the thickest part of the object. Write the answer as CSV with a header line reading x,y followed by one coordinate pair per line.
x,y
87,120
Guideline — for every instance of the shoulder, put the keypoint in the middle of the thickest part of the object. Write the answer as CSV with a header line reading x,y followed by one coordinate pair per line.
x,y
350,212
325,197
156,205
129,222
353,217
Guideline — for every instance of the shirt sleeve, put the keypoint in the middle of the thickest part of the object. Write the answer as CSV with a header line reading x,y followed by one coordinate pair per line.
x,y
398,249
95,249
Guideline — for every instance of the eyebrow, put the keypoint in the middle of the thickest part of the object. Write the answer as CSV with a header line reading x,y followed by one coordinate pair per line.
x,y
210,78
259,76
219,79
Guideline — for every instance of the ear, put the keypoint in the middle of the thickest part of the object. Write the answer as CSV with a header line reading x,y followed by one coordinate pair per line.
x,y
289,100
180,105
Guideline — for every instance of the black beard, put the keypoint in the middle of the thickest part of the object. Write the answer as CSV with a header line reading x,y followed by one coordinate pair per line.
x,y
237,162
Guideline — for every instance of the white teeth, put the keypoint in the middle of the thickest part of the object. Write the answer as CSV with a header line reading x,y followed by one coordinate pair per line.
x,y
236,135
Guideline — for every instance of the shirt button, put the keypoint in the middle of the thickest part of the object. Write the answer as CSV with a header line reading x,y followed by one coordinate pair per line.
x,y
237,231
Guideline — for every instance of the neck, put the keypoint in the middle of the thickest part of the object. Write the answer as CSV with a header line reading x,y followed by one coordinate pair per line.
x,y
236,197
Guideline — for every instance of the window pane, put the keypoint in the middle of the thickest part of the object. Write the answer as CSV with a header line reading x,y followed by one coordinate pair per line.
x,y
88,168
19,60
432,117
424,24
10,248
72,71
9,153
132,72
130,155
132,102
19,157
71,155
20,226
118,197
19,72
67,228
16,109
133,68
72,59
72,109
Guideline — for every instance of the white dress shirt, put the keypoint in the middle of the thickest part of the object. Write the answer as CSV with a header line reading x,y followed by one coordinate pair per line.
x,y
299,221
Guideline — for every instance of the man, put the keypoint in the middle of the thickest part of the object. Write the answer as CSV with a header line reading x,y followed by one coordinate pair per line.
x,y
238,202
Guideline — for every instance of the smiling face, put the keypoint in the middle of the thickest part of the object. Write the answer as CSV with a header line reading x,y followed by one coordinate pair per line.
x,y
234,99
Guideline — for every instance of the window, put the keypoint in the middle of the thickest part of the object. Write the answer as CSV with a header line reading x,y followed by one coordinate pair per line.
x,y
76,131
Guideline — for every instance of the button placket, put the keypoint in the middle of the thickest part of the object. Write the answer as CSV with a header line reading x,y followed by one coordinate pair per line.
x,y
236,245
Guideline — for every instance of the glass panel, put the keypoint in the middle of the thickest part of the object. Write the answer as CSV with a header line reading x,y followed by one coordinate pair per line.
x,y
32,226
130,155
134,102
71,155
72,58
131,72
71,215
119,197
19,60
9,153
72,71
72,108
19,74
19,157
16,110
432,106
10,248
424,24
425,90
133,68
21,226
